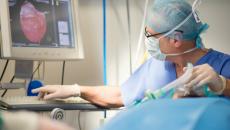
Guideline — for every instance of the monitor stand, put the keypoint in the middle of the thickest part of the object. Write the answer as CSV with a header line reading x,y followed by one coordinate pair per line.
x,y
23,69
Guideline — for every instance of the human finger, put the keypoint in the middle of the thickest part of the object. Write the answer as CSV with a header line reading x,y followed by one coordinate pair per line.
x,y
45,89
41,95
50,96
195,81
195,73
204,81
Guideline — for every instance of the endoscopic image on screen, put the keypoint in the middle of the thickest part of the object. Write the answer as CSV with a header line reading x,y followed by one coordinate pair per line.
x,y
41,23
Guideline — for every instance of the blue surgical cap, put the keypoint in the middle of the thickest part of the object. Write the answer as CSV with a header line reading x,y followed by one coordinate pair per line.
x,y
165,15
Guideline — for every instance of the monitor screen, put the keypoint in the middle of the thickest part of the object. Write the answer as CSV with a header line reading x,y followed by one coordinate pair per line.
x,y
41,23
41,28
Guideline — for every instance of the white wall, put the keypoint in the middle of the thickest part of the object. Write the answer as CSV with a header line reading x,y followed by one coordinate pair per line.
x,y
216,13
90,71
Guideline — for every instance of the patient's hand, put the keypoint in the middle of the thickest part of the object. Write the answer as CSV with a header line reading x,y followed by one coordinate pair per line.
x,y
191,95
177,96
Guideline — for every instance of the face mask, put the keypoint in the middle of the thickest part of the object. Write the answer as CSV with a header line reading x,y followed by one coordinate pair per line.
x,y
153,46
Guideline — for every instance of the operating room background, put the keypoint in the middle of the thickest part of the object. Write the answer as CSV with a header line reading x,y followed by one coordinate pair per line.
x,y
120,58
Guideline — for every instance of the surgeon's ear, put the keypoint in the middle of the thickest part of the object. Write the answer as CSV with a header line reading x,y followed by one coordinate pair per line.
x,y
176,43
176,40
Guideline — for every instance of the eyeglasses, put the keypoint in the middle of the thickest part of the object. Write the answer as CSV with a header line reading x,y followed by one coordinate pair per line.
x,y
147,34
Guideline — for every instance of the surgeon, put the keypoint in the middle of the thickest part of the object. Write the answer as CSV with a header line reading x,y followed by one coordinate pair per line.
x,y
172,38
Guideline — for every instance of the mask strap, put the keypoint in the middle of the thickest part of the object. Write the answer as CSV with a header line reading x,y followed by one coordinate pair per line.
x,y
177,54
194,7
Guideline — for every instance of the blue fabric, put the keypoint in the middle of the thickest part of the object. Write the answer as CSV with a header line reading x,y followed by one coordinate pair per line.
x,y
152,75
181,114
155,74
218,60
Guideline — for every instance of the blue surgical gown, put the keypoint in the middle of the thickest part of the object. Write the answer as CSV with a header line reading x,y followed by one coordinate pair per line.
x,y
154,74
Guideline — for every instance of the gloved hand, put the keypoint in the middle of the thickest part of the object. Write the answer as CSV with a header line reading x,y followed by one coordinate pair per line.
x,y
205,75
30,121
58,91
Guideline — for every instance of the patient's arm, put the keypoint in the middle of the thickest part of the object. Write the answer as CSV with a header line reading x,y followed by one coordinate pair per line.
x,y
177,96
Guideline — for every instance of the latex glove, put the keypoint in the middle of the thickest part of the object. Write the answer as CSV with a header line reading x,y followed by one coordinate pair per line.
x,y
30,121
58,91
205,74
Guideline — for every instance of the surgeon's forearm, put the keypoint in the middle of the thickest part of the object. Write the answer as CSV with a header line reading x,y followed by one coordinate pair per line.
x,y
104,96
227,89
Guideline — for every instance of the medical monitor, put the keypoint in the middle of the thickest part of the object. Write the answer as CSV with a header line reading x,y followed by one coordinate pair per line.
x,y
40,30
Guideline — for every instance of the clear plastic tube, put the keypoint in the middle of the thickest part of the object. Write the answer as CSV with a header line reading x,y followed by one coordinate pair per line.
x,y
176,84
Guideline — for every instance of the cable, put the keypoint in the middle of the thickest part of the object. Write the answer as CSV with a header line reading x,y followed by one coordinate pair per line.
x,y
4,70
129,35
2,75
79,120
4,93
43,70
104,48
39,70
32,76
141,37
11,81
63,72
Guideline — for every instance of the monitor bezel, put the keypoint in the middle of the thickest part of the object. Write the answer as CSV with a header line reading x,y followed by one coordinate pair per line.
x,y
33,53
